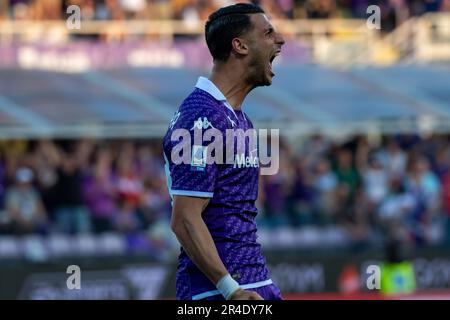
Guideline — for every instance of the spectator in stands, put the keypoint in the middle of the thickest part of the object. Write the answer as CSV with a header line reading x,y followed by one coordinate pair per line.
x,y
441,163
133,9
325,183
287,8
70,212
373,174
425,187
3,9
446,207
375,181
422,178
393,14
155,202
24,208
346,172
21,11
2,181
351,214
126,219
272,9
149,163
314,149
129,185
187,11
112,11
274,199
47,9
4,219
302,196
46,159
321,9
100,193
396,210
160,9
87,9
393,159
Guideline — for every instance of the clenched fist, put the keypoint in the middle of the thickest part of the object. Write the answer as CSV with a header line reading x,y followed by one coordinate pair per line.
x,y
241,294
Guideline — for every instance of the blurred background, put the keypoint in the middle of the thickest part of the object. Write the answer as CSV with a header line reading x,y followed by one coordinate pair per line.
x,y
364,119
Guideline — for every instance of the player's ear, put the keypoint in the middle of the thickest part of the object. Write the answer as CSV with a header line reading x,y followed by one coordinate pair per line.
x,y
239,46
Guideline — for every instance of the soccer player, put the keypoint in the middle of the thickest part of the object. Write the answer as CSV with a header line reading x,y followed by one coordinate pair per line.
x,y
213,214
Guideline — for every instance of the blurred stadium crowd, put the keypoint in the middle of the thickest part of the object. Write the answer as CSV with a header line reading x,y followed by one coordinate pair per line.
x,y
80,187
397,186
195,10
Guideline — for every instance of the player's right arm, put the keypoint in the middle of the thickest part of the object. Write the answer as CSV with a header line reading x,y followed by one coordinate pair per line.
x,y
194,236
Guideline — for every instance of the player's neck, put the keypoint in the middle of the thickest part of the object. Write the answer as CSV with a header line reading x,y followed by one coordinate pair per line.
x,y
231,82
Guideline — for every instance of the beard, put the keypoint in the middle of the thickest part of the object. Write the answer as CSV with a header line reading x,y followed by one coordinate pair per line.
x,y
258,74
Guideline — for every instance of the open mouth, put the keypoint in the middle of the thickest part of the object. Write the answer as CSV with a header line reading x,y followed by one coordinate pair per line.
x,y
274,55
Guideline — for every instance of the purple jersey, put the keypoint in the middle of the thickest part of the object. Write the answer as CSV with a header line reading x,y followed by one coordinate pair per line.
x,y
231,187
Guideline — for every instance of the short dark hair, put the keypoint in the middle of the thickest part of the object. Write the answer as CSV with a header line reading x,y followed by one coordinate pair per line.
x,y
226,24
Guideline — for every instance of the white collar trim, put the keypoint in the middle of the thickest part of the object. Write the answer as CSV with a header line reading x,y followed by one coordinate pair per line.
x,y
207,85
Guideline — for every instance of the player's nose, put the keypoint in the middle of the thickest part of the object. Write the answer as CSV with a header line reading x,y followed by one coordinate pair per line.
x,y
279,39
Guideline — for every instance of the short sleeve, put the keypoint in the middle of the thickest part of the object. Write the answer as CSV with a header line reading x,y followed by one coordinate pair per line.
x,y
191,169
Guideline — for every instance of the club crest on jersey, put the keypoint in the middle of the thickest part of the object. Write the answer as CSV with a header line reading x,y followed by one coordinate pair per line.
x,y
199,156
202,124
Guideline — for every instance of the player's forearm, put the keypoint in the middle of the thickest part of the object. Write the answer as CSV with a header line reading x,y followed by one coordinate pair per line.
x,y
196,240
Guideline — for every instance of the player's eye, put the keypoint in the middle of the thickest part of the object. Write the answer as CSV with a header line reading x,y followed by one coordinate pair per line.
x,y
269,31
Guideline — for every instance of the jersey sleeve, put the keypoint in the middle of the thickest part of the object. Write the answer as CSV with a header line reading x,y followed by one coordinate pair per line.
x,y
190,166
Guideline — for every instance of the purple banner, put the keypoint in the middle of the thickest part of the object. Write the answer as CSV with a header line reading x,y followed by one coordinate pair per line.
x,y
84,56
